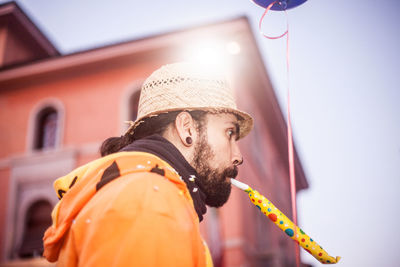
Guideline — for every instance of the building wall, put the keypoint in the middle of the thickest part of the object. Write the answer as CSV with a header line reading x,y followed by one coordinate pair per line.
x,y
89,101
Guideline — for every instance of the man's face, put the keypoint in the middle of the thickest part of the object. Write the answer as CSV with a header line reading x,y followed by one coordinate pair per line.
x,y
216,157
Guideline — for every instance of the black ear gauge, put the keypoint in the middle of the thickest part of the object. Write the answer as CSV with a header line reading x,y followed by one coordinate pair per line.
x,y
189,140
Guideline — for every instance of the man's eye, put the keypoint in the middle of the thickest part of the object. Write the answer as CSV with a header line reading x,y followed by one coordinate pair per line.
x,y
231,133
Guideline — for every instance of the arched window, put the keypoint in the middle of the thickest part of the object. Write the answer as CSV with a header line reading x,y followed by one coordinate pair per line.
x,y
46,128
133,105
37,220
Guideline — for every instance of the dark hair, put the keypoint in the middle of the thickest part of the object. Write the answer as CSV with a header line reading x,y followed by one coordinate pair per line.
x,y
149,126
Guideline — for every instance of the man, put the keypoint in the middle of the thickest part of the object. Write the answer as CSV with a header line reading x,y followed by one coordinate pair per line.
x,y
141,203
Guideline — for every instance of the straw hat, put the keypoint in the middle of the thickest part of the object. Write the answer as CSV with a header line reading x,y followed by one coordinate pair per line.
x,y
188,86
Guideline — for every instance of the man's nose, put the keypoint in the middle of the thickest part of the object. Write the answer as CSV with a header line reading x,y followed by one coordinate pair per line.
x,y
237,158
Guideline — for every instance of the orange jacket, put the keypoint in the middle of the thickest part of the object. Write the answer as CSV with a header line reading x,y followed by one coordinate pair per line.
x,y
139,218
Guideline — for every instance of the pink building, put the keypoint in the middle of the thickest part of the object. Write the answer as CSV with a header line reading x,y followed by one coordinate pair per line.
x,y
55,110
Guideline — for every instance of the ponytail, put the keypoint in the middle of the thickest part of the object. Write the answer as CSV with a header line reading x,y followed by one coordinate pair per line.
x,y
150,125
115,144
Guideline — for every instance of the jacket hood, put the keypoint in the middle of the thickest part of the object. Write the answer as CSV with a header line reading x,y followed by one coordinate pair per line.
x,y
78,187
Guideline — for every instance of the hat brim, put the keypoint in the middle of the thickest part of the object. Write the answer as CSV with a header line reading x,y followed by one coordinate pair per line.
x,y
245,121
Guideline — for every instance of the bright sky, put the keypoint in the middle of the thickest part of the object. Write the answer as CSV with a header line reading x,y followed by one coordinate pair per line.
x,y
344,91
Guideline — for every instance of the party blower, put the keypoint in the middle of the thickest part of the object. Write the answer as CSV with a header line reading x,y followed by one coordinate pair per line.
x,y
286,225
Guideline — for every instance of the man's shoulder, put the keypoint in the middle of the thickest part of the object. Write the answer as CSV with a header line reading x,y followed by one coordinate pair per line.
x,y
149,182
153,187
146,194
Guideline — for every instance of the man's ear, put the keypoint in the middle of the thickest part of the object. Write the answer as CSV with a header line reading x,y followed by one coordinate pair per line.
x,y
185,126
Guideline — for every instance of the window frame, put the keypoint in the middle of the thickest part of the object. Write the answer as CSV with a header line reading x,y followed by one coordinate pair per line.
x,y
34,124
29,205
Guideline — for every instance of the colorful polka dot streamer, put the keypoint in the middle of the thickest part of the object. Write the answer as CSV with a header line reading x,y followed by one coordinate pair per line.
x,y
286,225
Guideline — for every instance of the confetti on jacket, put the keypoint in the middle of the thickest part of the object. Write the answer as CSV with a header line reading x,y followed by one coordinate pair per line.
x,y
286,225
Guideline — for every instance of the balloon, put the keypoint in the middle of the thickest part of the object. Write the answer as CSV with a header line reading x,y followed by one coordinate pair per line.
x,y
284,4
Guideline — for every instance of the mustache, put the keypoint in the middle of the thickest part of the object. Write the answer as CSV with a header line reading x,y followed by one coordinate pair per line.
x,y
231,172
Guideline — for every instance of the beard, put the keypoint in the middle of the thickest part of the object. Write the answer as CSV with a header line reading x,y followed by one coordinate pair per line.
x,y
213,182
